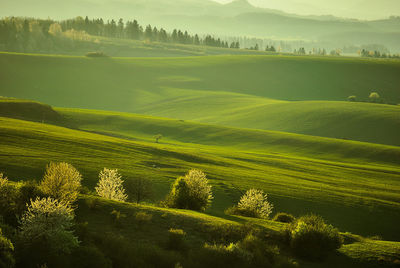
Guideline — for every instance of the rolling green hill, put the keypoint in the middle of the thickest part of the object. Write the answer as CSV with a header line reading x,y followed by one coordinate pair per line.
x,y
357,252
302,174
241,91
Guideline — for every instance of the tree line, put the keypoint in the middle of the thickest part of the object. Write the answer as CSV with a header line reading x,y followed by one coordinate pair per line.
x,y
25,34
377,54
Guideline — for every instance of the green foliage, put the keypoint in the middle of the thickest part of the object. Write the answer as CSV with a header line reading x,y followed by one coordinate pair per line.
x,y
127,253
191,192
117,217
6,252
374,97
310,237
110,185
352,98
249,252
8,199
176,239
284,217
61,181
48,221
92,203
254,203
143,218
46,235
138,189
88,257
95,55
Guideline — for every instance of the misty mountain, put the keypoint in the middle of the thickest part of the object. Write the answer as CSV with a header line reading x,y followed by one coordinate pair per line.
x,y
238,18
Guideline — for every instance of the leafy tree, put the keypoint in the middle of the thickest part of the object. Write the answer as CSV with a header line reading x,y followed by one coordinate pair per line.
x,y
61,181
110,185
148,33
139,189
191,192
48,222
254,203
8,196
374,97
158,137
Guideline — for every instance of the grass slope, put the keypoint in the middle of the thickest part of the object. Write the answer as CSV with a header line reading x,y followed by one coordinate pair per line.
x,y
201,228
230,90
346,194
190,133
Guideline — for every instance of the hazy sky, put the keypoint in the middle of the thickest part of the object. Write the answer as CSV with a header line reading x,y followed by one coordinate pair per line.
x,y
362,9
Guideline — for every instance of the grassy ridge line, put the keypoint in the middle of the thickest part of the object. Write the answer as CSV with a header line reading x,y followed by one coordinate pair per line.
x,y
145,127
367,122
345,195
128,84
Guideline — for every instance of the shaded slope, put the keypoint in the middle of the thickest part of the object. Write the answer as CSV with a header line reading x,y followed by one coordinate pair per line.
x,y
129,84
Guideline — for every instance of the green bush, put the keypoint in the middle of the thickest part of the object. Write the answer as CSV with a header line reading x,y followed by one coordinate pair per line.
x,y
219,255
8,199
6,252
88,257
143,218
284,217
249,252
190,192
45,234
310,237
226,233
14,197
176,239
117,217
96,54
124,253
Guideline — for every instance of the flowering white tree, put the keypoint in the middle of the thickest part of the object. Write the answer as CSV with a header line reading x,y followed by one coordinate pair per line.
x,y
110,185
255,203
48,221
198,186
61,181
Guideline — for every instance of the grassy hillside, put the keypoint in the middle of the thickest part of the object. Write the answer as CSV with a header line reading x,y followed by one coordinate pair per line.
x,y
139,127
127,84
240,91
357,252
344,193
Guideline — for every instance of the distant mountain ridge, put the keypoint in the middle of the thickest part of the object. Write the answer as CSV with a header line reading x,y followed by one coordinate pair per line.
x,y
237,18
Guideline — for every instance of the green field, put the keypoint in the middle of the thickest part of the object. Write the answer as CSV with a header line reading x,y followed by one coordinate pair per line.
x,y
240,91
345,181
272,122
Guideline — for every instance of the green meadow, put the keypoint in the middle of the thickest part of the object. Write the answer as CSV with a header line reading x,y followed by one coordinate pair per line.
x,y
277,123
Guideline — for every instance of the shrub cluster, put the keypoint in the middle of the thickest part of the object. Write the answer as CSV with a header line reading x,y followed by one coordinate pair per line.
x,y
96,54
249,252
6,252
284,217
190,192
310,237
176,239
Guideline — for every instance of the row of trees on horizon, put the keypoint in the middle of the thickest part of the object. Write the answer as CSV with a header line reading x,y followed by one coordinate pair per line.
x,y
29,34
25,34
